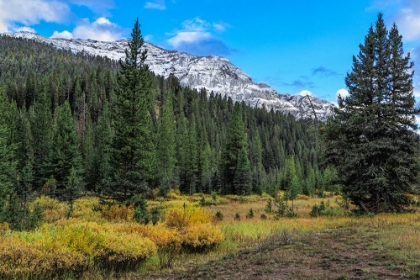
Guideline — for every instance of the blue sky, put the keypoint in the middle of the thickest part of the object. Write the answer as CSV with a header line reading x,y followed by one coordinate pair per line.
x,y
291,45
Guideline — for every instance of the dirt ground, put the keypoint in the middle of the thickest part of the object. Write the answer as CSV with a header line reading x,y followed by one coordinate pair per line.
x,y
342,253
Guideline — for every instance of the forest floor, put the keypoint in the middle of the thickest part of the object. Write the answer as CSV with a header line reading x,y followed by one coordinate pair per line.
x,y
338,253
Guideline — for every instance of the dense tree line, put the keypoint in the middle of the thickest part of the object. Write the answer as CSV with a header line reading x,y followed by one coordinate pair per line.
x,y
74,123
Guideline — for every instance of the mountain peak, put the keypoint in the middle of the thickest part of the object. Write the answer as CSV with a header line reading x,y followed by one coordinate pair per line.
x,y
215,73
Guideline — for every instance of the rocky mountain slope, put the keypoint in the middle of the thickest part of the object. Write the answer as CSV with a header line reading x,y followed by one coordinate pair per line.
x,y
214,73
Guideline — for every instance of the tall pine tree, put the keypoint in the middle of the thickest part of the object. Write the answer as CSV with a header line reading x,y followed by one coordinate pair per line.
x,y
166,149
66,160
372,140
235,151
133,150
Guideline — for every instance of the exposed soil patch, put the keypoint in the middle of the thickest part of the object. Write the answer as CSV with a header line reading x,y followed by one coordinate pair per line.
x,y
342,253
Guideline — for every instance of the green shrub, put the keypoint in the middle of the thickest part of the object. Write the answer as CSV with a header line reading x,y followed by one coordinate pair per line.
x,y
237,217
315,211
250,214
269,206
219,215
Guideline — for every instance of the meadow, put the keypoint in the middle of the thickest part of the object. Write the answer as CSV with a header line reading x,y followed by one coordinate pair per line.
x,y
212,237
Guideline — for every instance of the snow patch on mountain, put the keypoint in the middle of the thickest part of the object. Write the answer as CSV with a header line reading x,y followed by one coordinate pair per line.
x,y
214,73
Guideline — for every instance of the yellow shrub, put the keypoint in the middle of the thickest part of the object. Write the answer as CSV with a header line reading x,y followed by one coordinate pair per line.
x,y
184,217
167,240
20,257
4,227
118,212
85,208
173,195
125,251
52,208
71,246
201,236
302,197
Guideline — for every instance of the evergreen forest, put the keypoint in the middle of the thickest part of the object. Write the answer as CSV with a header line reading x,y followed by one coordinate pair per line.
x,y
67,130
108,169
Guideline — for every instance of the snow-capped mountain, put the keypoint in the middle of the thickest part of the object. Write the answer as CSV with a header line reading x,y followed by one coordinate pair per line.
x,y
214,73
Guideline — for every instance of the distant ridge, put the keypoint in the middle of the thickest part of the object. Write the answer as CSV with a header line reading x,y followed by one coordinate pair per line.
x,y
215,73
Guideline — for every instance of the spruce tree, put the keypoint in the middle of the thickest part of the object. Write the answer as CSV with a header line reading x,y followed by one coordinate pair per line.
x,y
25,157
66,160
102,156
242,180
235,142
41,125
8,160
133,150
166,149
372,140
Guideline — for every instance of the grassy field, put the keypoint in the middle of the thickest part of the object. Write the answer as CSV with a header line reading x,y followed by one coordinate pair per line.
x,y
340,246
193,241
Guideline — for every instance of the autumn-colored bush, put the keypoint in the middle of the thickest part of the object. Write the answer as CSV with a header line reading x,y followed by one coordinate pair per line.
x,y
117,212
168,240
52,209
200,237
194,227
187,216
38,255
87,208
71,246
4,227
173,195
302,197
124,251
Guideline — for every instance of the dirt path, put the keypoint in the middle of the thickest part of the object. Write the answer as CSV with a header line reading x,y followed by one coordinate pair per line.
x,y
333,254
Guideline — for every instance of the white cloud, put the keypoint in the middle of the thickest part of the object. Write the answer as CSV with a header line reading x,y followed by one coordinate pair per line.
x,y
405,13
101,29
196,37
29,12
408,22
343,93
148,38
65,34
188,37
219,26
25,29
157,5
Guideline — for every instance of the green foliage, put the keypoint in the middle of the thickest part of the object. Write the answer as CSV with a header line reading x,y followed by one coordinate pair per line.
x,y
133,149
156,215
314,211
166,149
237,217
20,217
281,205
294,190
250,214
219,215
234,161
214,196
7,154
104,119
66,159
269,206
372,140
141,214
